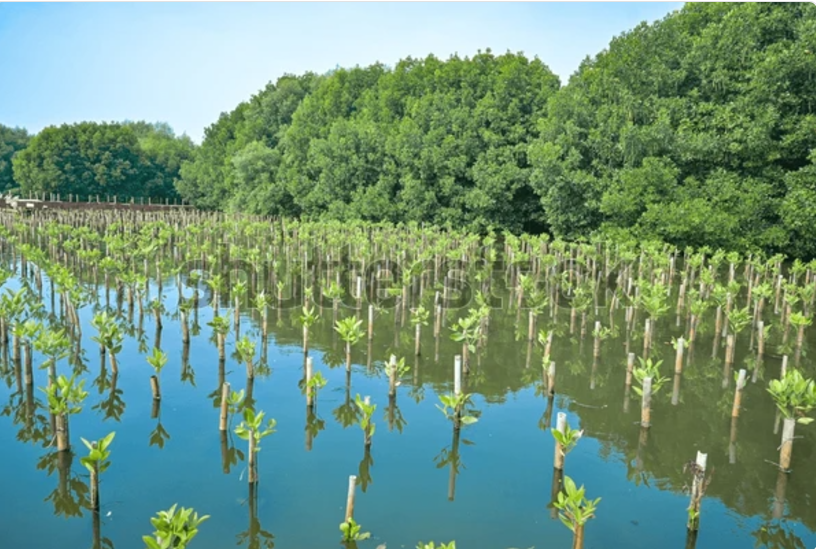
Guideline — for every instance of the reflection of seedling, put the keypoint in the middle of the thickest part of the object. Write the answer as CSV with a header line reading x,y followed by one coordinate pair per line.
x,y
351,331
455,408
420,315
234,402
431,545
651,369
352,531
246,351
157,360
174,530
306,319
675,342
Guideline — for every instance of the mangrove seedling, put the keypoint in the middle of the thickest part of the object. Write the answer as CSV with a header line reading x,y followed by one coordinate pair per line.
x,y
308,318
174,529
65,397
575,510
314,385
351,331
352,531
649,368
431,545
252,430
419,318
96,462
109,337
157,360
366,420
221,326
795,397
454,407
246,351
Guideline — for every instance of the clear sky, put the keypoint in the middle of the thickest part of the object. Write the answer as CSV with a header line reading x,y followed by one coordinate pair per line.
x,y
185,63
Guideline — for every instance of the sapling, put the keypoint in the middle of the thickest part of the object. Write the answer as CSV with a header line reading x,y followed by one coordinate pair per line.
x,y
157,360
419,318
308,318
174,529
65,397
366,417
575,510
352,532
801,322
795,397
246,351
96,462
220,325
109,337
313,386
466,331
350,330
252,429
565,441
455,408
648,377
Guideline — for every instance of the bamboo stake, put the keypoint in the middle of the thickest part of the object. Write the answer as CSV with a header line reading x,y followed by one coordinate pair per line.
x,y
646,404
697,489
352,485
561,427
225,391
735,410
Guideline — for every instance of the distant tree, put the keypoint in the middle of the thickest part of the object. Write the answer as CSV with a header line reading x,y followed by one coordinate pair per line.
x,y
12,140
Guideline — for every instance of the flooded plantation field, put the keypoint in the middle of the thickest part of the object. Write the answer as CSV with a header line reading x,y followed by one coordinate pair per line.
x,y
430,365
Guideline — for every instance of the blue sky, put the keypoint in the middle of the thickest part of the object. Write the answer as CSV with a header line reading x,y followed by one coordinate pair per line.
x,y
185,63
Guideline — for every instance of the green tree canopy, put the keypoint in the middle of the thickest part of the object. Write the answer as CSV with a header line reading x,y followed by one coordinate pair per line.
x,y
12,140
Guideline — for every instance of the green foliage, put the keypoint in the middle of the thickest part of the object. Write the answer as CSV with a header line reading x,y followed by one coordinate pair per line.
x,y
352,531
649,368
568,439
109,334
738,319
316,383
253,426
308,317
794,395
455,408
174,529
420,315
12,141
65,395
575,509
350,329
245,348
98,453
366,419
90,158
157,360
466,330
432,545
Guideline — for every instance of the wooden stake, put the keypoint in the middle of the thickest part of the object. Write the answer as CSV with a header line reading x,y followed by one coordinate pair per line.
x,y
788,427
225,391
735,410
551,379
154,386
646,404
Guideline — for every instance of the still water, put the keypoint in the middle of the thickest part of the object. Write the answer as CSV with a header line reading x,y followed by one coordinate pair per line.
x,y
491,491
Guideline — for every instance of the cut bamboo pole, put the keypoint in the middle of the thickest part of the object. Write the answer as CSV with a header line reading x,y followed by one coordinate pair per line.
x,y
551,379
225,391
352,486
735,410
630,366
785,451
457,375
392,376
154,386
646,404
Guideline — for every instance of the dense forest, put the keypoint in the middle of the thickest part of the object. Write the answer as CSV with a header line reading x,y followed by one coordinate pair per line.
x,y
698,129
127,160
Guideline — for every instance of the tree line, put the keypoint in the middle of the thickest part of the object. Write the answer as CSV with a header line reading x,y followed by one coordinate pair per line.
x,y
698,129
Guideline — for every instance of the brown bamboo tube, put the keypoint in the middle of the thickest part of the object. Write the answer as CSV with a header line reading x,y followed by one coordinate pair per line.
x,y
779,495
225,391
676,390
630,365
63,444
732,442
788,427
352,486
646,403
735,410
729,349
678,359
760,338
154,386
561,427
647,338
